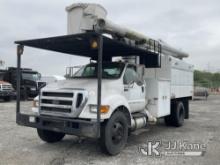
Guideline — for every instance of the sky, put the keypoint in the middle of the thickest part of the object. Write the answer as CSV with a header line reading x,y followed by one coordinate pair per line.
x,y
190,25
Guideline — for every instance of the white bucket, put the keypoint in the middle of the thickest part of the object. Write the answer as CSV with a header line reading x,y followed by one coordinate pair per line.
x,y
82,17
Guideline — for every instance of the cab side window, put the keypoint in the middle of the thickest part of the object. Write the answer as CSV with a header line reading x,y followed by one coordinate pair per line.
x,y
130,75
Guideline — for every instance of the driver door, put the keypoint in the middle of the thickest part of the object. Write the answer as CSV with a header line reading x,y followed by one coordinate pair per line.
x,y
134,89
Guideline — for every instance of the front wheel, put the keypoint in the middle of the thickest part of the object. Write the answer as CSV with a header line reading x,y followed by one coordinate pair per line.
x,y
114,133
50,136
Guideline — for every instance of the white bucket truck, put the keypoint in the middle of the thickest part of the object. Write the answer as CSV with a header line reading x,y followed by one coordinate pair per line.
x,y
107,99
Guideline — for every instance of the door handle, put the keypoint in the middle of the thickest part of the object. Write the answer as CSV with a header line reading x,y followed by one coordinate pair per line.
x,y
142,89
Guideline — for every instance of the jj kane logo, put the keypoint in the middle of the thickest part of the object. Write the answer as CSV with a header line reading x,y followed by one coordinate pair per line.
x,y
173,148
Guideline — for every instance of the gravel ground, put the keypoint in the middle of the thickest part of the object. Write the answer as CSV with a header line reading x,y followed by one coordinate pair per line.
x,y
21,145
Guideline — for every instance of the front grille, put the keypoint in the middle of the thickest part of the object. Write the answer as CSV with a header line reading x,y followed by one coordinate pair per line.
x,y
58,102
62,102
79,100
54,109
57,94
6,87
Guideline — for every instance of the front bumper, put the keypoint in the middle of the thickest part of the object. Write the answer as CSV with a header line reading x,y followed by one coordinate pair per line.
x,y
7,93
76,127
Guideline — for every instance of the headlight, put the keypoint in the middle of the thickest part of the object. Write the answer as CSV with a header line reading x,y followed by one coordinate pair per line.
x,y
104,108
35,103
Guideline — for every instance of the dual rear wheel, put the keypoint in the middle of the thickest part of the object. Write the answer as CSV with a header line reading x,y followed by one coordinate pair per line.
x,y
176,118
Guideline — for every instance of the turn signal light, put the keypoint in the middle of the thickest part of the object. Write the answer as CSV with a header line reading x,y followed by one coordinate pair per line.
x,y
94,44
104,109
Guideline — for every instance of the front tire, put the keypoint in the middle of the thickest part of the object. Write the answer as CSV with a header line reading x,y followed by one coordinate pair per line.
x,y
114,133
50,136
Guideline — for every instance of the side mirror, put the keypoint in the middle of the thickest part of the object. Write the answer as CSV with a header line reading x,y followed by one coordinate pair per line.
x,y
140,82
129,85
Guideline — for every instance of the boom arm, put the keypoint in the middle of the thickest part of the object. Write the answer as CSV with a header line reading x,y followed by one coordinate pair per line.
x,y
90,17
112,28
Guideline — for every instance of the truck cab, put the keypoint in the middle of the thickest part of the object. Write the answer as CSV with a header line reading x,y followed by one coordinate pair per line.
x,y
121,87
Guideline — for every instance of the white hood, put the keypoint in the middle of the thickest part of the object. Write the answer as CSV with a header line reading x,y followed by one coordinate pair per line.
x,y
109,86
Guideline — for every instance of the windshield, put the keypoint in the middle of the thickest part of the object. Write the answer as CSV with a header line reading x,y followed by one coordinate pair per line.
x,y
109,70
31,76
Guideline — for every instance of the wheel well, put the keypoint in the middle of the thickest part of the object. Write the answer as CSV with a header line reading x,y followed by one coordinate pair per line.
x,y
125,111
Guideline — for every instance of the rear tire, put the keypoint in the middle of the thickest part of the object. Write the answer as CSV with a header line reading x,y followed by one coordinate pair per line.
x,y
114,134
176,118
50,136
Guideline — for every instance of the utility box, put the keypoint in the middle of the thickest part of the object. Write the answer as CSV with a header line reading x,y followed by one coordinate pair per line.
x,y
158,96
81,17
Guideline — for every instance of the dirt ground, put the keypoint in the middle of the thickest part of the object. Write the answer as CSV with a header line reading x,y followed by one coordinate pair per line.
x,y
21,145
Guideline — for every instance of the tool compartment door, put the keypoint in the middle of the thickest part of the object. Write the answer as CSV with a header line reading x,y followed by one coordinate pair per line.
x,y
163,98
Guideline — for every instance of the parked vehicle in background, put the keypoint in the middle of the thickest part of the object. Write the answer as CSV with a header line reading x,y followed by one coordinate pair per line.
x,y
29,81
201,92
7,92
